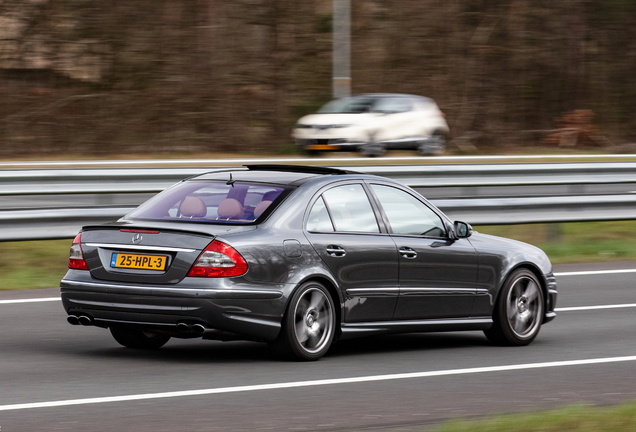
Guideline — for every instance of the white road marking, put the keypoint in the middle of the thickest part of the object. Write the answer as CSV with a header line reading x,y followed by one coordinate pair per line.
x,y
32,300
594,272
314,383
583,308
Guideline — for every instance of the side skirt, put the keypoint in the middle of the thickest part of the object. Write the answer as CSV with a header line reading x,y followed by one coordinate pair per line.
x,y
351,330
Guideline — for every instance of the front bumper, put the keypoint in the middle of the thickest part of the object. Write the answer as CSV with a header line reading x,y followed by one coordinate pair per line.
x,y
334,144
551,300
251,311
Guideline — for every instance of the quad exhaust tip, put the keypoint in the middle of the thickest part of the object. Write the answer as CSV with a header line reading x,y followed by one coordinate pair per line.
x,y
77,320
183,327
85,320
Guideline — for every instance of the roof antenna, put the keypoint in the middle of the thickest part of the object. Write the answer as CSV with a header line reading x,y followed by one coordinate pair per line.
x,y
230,181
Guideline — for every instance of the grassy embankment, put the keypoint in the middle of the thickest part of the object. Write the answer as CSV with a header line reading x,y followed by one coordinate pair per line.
x,y
41,264
578,418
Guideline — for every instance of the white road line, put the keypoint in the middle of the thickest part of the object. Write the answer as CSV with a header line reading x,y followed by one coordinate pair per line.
x,y
32,300
314,383
594,272
583,308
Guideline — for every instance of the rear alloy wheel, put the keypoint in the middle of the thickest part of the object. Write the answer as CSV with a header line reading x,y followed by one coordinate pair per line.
x,y
435,145
133,338
309,324
519,310
372,150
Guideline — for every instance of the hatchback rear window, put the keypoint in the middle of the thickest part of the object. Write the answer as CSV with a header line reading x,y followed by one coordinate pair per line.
x,y
212,202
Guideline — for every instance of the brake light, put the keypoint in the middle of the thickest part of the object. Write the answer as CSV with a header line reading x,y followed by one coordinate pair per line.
x,y
218,260
139,231
76,256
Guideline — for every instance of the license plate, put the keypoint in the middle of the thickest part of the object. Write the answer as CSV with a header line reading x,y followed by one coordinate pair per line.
x,y
321,147
138,261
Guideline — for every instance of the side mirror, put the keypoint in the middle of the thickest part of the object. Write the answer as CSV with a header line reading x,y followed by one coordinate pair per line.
x,y
463,230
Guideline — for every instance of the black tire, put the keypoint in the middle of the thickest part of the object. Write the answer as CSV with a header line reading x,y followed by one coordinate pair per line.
x,y
133,338
313,153
519,310
436,145
372,150
309,324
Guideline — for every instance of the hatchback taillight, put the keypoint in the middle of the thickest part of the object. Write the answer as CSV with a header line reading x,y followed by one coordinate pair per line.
x,y
76,256
218,260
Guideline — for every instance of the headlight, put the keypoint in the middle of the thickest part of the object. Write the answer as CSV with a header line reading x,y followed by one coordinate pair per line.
x,y
302,126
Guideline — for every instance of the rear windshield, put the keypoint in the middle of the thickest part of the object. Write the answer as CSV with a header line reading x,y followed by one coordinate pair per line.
x,y
212,202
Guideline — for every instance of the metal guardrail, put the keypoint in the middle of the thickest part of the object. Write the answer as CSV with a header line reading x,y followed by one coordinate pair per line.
x,y
55,203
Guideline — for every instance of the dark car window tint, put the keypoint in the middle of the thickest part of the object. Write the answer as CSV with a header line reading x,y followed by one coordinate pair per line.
x,y
319,220
210,202
408,215
348,105
350,209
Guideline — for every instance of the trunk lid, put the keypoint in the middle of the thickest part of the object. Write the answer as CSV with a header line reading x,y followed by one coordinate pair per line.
x,y
143,254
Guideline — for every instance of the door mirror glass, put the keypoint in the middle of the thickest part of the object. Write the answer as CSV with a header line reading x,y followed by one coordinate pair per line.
x,y
463,230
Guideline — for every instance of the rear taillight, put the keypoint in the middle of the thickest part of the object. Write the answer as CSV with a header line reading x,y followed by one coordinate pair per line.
x,y
218,260
76,256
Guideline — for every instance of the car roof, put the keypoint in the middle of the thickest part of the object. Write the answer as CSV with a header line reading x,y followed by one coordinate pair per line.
x,y
273,174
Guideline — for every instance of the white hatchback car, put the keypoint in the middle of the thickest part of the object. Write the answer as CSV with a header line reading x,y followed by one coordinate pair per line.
x,y
373,124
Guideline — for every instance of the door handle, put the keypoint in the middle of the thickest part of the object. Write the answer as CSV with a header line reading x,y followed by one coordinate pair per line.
x,y
336,251
407,252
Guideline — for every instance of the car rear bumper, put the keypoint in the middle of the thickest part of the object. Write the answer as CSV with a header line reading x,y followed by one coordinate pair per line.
x,y
252,312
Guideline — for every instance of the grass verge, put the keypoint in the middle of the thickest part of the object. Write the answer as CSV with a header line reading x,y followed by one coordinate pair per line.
x,y
578,418
33,264
577,242
41,264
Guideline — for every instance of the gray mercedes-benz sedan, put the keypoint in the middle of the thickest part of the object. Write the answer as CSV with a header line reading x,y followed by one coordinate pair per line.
x,y
300,257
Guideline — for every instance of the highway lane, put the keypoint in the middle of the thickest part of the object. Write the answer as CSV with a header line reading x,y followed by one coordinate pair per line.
x,y
45,359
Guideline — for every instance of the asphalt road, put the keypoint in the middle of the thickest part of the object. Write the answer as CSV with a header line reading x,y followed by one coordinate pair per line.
x,y
393,383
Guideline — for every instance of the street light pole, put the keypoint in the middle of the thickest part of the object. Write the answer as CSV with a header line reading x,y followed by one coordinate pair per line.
x,y
341,76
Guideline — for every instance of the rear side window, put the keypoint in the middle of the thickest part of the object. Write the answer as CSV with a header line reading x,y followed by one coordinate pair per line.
x,y
319,220
211,202
344,209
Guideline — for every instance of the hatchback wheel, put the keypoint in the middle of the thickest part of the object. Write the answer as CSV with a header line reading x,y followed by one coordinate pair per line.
x,y
309,324
519,310
436,145
133,338
373,150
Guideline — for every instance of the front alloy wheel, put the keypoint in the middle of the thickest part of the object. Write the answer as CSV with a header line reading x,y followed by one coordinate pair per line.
x,y
519,310
309,323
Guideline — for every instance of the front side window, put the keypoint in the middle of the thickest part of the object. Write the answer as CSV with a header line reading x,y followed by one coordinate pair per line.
x,y
408,215
210,202
350,209
348,105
